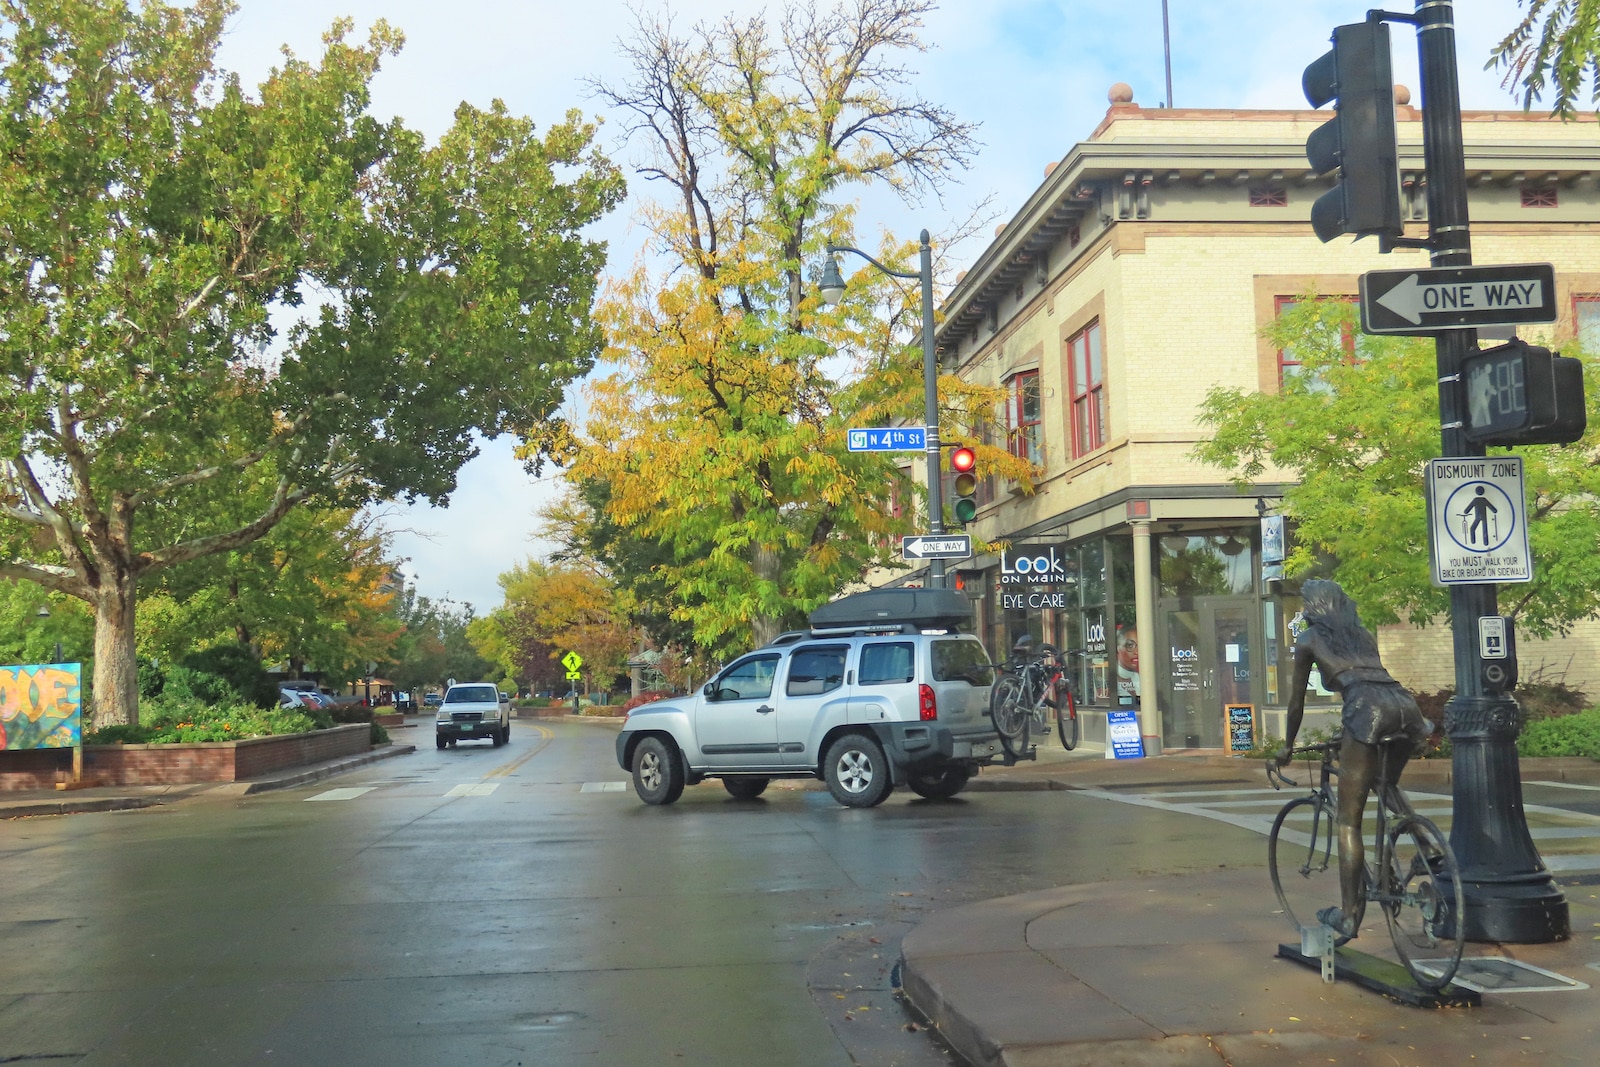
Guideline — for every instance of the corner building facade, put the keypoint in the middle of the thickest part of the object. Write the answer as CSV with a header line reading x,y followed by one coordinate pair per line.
x,y
1139,275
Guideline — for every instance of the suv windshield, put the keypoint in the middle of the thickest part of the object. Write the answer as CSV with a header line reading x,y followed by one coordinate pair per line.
x,y
473,694
961,659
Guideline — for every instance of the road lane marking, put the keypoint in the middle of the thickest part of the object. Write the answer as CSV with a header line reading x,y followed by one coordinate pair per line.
x,y
1566,785
344,793
545,737
604,787
473,789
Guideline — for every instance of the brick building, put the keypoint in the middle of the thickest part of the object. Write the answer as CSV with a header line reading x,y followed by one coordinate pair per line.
x,y
1137,276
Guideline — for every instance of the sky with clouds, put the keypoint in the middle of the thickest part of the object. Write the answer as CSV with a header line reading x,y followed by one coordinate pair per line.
x,y
1032,73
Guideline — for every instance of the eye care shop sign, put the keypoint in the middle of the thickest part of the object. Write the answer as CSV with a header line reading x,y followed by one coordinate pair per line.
x,y
1036,577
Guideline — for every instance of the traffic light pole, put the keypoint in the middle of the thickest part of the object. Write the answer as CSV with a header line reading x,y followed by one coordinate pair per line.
x,y
930,411
1510,896
930,383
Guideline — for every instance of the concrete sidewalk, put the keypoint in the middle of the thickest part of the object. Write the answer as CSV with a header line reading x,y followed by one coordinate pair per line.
x,y
1182,970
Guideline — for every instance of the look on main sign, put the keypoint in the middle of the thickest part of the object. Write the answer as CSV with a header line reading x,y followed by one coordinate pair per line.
x,y
1036,578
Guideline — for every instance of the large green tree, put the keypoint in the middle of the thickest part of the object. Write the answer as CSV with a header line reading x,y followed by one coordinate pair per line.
x,y
1355,429
156,221
722,434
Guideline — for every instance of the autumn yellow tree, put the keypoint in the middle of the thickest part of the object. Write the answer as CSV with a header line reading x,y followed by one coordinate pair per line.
x,y
550,610
721,436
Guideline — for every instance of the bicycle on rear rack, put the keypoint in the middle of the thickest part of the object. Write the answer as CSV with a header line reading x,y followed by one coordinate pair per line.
x,y
1032,690
1412,877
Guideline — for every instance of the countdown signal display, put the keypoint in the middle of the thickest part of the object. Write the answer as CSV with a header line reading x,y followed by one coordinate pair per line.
x,y
1520,394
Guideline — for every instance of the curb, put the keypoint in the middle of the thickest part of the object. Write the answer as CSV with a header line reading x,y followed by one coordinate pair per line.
x,y
80,807
127,803
327,770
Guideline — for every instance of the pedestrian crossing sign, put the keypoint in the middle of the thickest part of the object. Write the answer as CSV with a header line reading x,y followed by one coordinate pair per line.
x,y
1477,521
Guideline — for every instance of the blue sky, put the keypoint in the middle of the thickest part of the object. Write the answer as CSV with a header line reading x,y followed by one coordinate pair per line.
x,y
1032,73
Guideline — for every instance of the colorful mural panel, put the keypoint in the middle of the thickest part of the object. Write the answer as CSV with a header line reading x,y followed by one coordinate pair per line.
x,y
41,706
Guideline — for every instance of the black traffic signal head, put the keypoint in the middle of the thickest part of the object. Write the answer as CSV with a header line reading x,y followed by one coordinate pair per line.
x,y
1359,142
1520,394
962,462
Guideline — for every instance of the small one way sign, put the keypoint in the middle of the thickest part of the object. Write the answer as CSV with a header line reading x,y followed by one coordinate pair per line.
x,y
1422,302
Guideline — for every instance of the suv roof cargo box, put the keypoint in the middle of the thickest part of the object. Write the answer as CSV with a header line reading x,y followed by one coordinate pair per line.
x,y
943,609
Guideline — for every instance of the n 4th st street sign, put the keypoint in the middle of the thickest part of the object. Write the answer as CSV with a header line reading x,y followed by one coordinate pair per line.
x,y
1422,302
941,546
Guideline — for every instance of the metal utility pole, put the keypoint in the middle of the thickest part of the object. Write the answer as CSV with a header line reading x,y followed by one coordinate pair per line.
x,y
1510,896
832,289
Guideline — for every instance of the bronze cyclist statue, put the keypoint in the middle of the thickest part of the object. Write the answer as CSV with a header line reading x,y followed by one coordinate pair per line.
x,y
1376,707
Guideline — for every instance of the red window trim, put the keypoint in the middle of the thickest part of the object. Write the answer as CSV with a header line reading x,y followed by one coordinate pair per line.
x,y
1016,425
1349,337
1090,394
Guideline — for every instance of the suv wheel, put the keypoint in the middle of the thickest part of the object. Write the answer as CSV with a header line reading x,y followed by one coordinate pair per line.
x,y
441,740
942,784
745,788
856,771
657,776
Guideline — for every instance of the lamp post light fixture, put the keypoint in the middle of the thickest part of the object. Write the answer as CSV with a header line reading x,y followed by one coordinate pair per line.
x,y
832,289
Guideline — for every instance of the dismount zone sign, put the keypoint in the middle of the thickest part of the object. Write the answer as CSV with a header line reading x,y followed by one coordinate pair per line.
x,y
1477,521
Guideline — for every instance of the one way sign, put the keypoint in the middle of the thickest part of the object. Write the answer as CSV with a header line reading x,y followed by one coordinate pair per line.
x,y
941,546
1423,302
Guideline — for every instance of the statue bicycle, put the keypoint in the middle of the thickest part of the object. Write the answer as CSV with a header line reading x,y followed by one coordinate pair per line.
x,y
1412,877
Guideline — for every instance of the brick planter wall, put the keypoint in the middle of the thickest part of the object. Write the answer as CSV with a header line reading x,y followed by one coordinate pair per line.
x,y
217,761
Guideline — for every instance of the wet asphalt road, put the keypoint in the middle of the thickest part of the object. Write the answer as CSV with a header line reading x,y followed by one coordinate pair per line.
x,y
516,906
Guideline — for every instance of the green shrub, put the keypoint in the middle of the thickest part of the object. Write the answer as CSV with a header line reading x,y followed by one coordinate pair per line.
x,y
1565,735
151,678
189,685
120,734
380,736
240,668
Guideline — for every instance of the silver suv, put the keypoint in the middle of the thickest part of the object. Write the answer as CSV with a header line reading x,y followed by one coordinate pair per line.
x,y
883,690
473,710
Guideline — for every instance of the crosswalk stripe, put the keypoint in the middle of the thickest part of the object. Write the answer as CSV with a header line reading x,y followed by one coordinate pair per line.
x,y
473,789
342,793
1557,827
603,787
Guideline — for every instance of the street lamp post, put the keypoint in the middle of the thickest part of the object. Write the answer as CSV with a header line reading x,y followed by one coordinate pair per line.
x,y
832,291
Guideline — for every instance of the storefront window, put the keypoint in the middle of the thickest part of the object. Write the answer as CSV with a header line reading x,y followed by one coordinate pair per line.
x,y
1282,618
1096,681
1121,570
1206,565
1127,656
1092,572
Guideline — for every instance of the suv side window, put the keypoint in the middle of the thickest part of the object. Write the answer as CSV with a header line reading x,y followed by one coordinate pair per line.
x,y
961,659
815,670
887,661
750,680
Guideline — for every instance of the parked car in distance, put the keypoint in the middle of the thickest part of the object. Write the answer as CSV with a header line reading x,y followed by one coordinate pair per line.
x,y
473,710
303,698
884,689
432,700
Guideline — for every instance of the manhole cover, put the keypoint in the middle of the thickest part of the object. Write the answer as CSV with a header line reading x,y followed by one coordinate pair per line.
x,y
1496,974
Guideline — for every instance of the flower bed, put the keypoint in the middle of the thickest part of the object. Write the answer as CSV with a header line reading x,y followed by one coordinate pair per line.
x,y
184,764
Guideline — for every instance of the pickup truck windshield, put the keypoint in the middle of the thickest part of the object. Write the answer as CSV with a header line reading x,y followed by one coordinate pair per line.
x,y
473,694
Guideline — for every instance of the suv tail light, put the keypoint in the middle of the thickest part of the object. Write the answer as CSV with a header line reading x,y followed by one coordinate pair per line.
x,y
927,706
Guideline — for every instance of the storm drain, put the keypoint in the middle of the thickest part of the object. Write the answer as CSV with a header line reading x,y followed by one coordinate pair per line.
x,y
1496,974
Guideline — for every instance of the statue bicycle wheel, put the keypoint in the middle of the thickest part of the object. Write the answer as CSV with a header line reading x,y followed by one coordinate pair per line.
x,y
1303,858
1419,893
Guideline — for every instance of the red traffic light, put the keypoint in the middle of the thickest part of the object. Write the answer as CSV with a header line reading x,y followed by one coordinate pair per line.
x,y
963,459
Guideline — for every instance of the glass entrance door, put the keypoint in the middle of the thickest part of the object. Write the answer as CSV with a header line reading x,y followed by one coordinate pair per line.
x,y
1210,658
